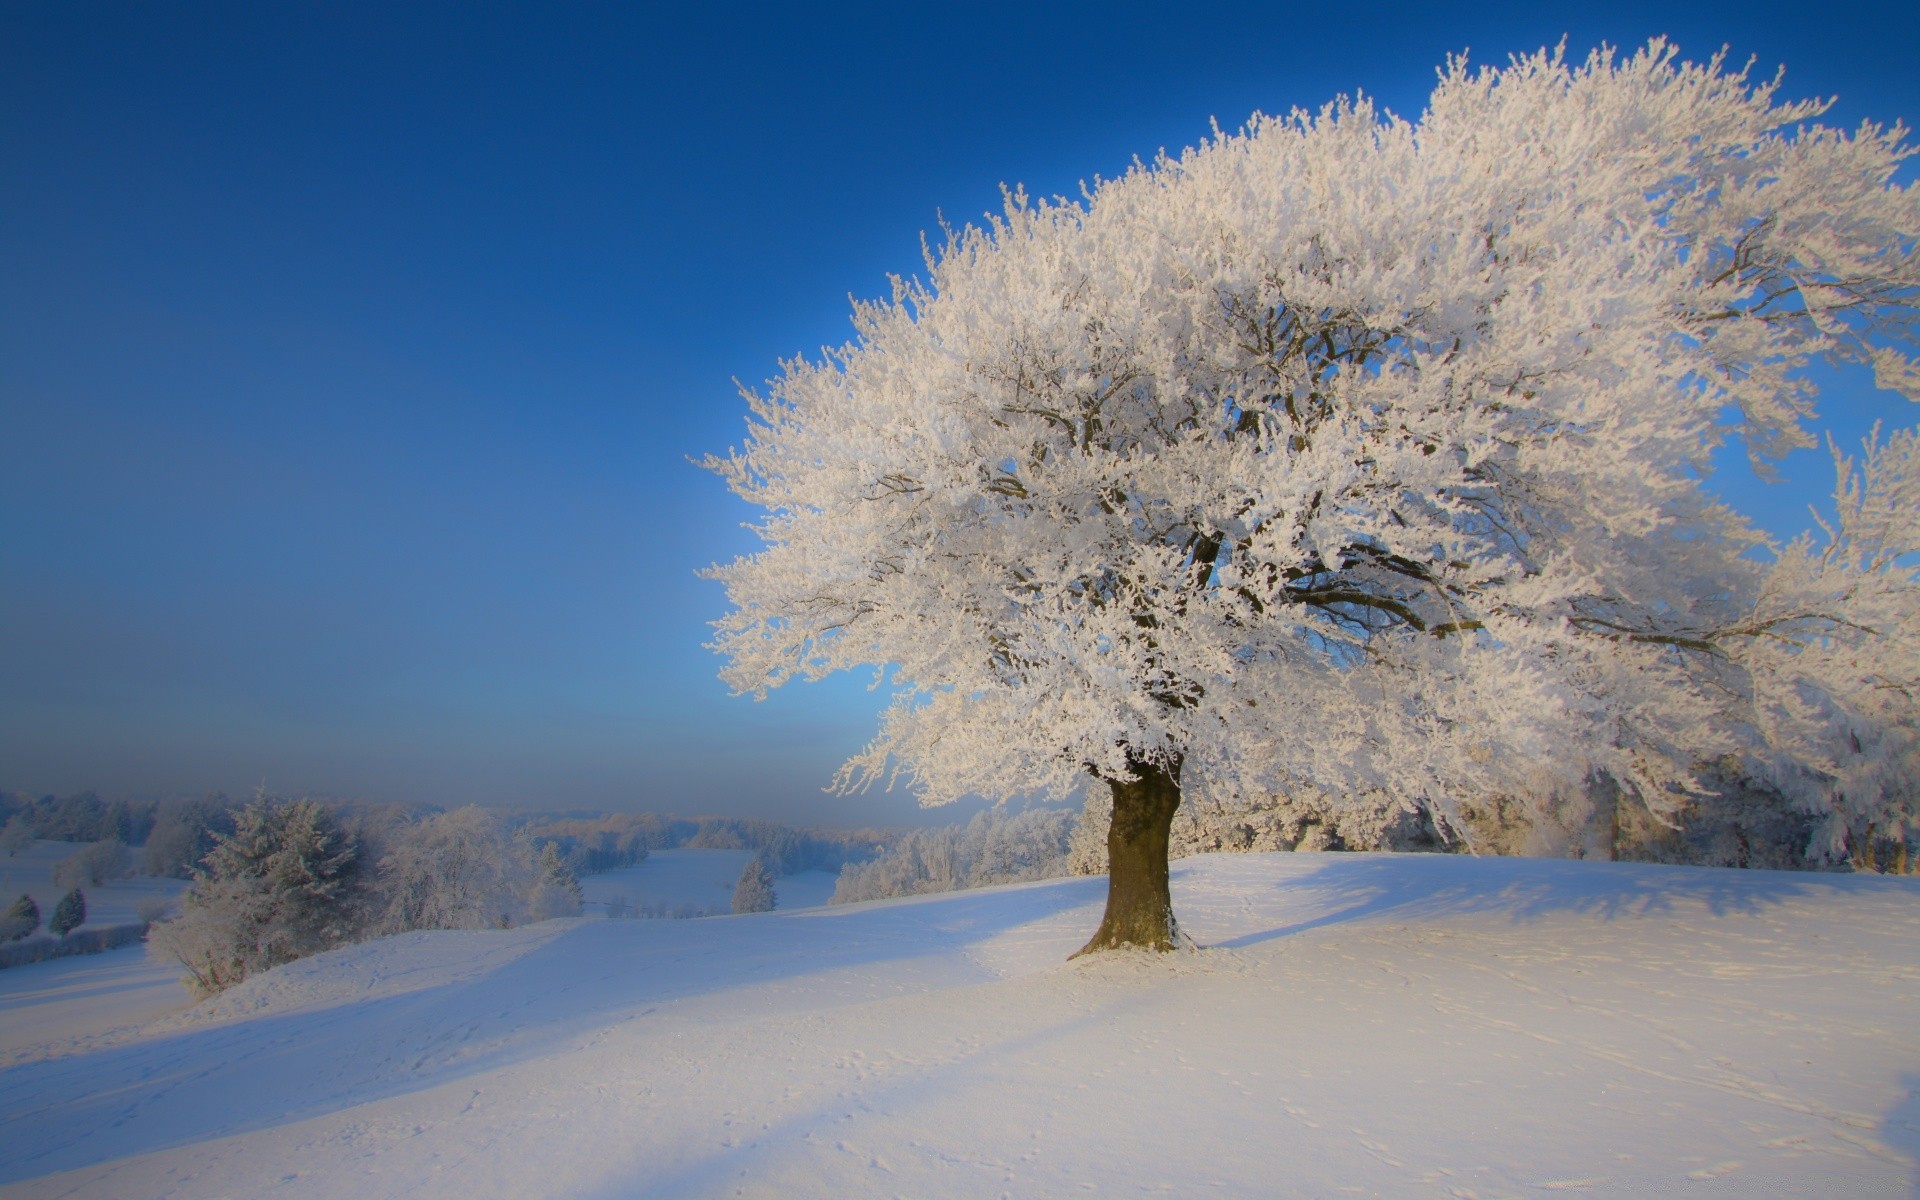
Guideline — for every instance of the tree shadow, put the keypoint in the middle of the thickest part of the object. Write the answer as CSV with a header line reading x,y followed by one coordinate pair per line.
x,y
195,1084
1356,887
1901,1130
242,1076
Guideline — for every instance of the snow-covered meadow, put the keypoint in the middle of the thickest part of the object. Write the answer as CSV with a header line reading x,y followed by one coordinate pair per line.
x,y
119,902
1370,1025
696,880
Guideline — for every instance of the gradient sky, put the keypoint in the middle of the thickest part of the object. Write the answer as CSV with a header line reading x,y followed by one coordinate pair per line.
x,y
351,355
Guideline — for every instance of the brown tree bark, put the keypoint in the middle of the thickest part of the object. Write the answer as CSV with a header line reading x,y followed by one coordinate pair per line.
x,y
1139,904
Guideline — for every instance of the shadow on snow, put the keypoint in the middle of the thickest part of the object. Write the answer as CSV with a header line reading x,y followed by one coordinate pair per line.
x,y
243,1076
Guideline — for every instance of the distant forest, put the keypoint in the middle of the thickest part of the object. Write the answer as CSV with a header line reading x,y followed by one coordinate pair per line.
x,y
175,835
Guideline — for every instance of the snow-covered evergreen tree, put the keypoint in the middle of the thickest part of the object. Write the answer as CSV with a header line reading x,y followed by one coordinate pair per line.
x,y
281,886
556,891
1368,457
69,913
754,892
21,919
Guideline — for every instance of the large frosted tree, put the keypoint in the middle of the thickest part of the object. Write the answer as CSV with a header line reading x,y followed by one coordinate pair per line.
x,y
1370,455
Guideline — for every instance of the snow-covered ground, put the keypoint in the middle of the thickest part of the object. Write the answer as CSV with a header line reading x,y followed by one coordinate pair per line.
x,y
697,880
116,903
807,889
67,1004
1361,1025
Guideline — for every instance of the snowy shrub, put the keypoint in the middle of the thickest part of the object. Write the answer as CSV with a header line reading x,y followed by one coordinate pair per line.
x,y
99,863
21,918
754,892
79,941
997,846
281,886
69,914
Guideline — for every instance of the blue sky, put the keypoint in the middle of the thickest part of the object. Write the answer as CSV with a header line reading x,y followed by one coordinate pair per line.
x,y
351,356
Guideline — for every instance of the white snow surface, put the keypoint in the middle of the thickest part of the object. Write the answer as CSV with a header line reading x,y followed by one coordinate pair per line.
x,y
684,878
65,1004
1367,1025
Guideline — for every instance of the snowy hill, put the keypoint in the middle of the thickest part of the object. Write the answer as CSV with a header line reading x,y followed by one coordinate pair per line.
x,y
1360,1025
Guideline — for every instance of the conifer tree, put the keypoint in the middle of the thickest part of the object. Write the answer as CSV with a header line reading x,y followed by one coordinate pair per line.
x,y
281,886
21,918
754,892
69,914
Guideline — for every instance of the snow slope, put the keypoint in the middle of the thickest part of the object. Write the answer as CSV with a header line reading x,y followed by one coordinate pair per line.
x,y
1363,1025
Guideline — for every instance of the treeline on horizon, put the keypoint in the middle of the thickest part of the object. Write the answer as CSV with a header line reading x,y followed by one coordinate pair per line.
x,y
174,835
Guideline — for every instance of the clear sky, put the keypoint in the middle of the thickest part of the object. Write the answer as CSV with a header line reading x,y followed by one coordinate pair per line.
x,y
351,355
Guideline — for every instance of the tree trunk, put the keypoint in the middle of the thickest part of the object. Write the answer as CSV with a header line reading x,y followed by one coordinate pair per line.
x,y
1139,905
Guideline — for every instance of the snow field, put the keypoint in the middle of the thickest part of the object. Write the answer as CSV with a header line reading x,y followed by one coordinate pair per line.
x,y
115,903
696,879
701,880
1369,1025
64,1004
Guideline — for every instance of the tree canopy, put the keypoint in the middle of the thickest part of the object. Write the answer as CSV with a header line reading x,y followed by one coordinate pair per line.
x,y
1371,454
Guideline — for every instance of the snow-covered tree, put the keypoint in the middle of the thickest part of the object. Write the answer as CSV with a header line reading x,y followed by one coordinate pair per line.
x,y
281,886
183,832
21,918
754,891
101,862
996,846
1362,455
556,890
1833,684
16,835
69,913
460,869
